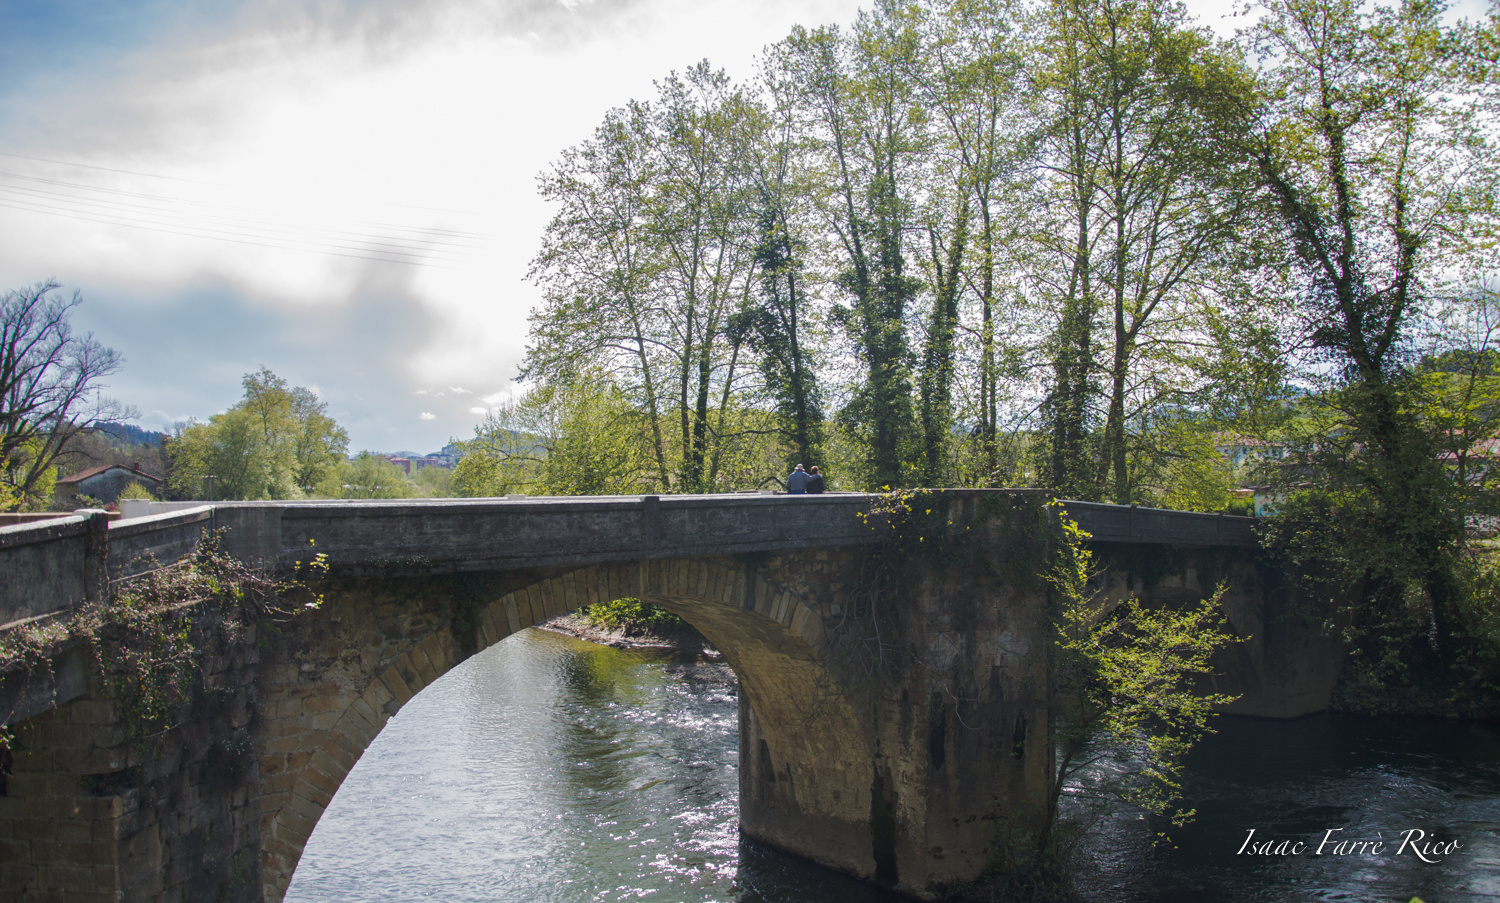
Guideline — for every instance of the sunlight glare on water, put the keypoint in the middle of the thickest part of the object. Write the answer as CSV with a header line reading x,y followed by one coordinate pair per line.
x,y
552,770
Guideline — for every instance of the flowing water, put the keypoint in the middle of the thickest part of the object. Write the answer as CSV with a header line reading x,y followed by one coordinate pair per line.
x,y
551,770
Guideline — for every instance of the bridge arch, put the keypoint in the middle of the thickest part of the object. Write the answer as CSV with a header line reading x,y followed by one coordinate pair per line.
x,y
328,691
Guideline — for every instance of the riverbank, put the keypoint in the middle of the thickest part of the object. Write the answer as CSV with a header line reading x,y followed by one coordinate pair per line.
x,y
685,640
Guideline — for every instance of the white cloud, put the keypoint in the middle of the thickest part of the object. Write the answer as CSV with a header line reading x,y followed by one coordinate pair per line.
x,y
250,159
427,416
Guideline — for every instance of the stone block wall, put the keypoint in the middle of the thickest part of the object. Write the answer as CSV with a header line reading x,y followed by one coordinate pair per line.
x,y
329,684
90,814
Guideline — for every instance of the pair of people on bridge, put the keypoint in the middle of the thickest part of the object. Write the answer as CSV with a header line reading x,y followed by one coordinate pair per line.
x,y
804,482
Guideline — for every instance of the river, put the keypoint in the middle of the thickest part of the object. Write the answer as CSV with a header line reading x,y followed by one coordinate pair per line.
x,y
551,770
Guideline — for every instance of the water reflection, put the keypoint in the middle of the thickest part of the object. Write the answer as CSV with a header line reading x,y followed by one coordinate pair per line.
x,y
1362,779
548,769
551,770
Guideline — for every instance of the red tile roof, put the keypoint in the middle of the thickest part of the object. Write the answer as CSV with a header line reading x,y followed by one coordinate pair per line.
x,y
82,475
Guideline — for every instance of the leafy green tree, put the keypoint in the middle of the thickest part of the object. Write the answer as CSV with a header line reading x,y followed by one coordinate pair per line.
x,y
646,260
1123,684
278,442
1376,143
860,112
972,50
777,322
369,476
434,482
1186,470
775,329
579,438
222,459
1147,229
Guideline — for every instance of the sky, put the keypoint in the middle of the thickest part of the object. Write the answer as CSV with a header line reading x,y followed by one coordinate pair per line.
x,y
340,190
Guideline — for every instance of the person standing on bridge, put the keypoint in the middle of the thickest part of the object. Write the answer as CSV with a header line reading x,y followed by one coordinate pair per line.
x,y
814,481
796,484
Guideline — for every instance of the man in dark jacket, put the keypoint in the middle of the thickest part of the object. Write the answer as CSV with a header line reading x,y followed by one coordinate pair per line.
x,y
814,481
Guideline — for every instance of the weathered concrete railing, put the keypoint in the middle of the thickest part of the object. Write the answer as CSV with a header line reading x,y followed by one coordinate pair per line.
x,y
54,565
1127,523
50,567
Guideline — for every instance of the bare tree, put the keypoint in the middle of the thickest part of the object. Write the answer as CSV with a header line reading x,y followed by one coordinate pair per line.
x,y
49,387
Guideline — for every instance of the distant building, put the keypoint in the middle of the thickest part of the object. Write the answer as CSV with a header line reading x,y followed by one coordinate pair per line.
x,y
411,462
1243,449
105,483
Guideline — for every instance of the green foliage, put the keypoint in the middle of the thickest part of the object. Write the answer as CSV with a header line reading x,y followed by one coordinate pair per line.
x,y
136,491
1123,683
632,616
775,329
154,635
434,482
567,438
646,261
278,442
1184,469
369,476
39,492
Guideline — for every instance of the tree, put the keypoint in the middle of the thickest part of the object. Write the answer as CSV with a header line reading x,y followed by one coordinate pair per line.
x,y
371,476
646,260
1123,683
859,109
1376,143
973,67
775,329
578,438
434,482
278,442
50,381
1147,232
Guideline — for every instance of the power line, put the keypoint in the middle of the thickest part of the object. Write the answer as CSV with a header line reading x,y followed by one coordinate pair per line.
x,y
128,172
125,213
244,241
175,215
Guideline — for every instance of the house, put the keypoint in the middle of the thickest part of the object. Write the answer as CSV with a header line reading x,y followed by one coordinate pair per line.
x,y
104,483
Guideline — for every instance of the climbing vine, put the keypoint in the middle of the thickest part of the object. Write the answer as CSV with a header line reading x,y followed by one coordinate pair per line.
x,y
154,638
1124,682
912,524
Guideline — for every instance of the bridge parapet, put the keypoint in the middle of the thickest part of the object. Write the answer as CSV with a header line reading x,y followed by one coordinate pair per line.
x,y
1161,526
404,538
50,567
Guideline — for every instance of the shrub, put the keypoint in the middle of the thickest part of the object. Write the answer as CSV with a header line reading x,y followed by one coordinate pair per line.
x,y
632,616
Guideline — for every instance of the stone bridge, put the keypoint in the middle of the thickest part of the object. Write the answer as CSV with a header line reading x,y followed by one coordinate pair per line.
x,y
893,714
